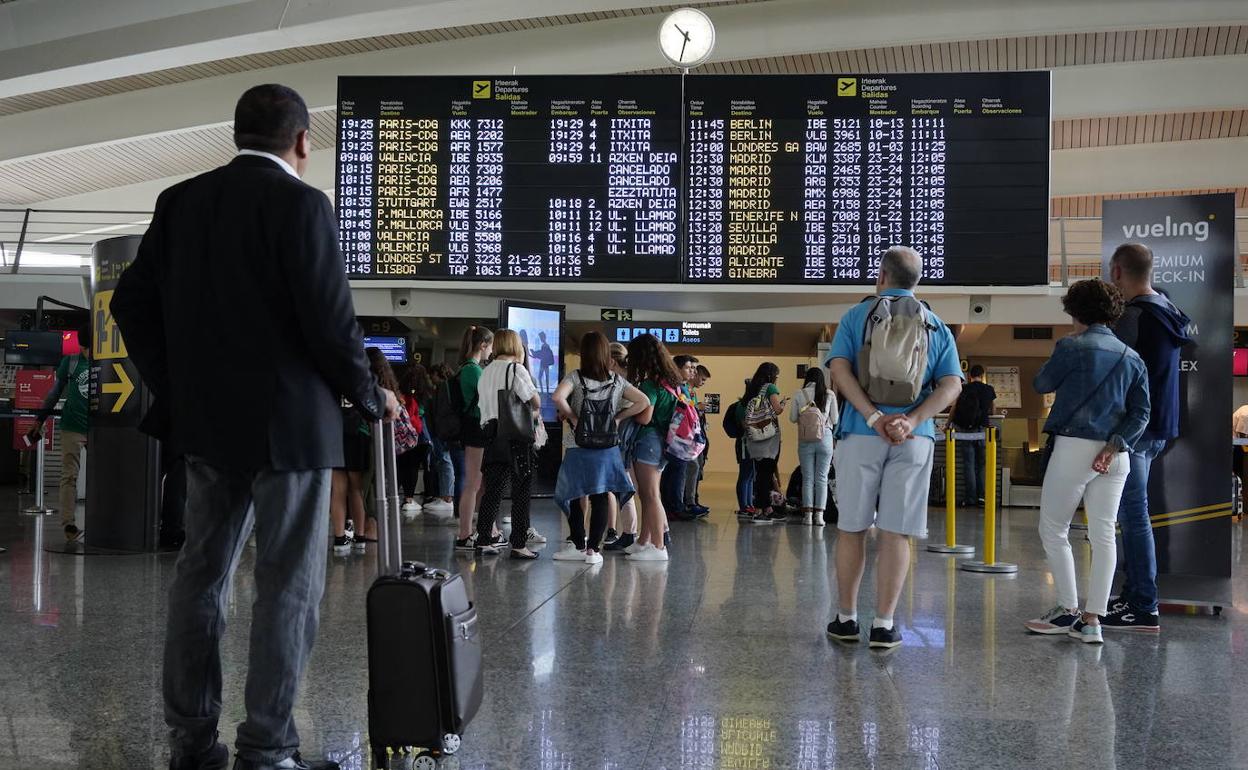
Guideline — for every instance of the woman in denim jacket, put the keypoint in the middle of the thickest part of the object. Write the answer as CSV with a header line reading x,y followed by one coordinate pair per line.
x,y
1100,411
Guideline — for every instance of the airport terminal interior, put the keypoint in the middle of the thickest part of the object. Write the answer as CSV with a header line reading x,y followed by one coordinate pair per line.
x,y
723,182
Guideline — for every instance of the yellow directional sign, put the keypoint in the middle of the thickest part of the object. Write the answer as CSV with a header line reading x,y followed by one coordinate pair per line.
x,y
123,388
107,342
616,314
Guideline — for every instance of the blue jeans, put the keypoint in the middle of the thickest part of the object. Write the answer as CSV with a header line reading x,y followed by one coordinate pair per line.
x,y
672,486
1139,554
815,458
971,454
457,468
448,481
745,483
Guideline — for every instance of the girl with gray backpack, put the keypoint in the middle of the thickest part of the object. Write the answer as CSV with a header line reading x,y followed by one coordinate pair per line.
x,y
814,409
591,400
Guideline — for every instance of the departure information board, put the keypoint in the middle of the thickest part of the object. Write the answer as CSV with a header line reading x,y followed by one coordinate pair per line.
x,y
538,178
753,179
809,179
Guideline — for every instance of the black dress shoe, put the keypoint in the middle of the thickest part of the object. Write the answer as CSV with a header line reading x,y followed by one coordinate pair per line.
x,y
216,758
295,762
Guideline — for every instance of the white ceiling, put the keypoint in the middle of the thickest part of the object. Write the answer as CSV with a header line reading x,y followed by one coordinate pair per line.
x,y
102,105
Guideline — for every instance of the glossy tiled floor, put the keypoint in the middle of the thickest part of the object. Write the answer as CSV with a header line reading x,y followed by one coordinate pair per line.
x,y
716,660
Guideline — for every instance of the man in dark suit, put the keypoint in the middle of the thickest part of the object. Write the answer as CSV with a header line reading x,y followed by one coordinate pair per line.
x,y
238,314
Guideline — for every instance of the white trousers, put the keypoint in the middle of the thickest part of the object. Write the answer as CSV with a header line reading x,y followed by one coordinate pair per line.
x,y
1068,479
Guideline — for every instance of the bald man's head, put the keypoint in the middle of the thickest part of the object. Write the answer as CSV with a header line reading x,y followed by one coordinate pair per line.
x,y
901,268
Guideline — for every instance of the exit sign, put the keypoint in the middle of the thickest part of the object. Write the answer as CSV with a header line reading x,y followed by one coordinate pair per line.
x,y
616,314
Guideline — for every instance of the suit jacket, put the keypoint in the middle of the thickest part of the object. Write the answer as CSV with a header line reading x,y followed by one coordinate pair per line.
x,y
238,314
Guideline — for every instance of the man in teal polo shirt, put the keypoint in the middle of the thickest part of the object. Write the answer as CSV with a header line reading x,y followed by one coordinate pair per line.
x,y
884,458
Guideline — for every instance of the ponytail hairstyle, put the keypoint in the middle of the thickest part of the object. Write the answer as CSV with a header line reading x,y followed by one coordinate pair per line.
x,y
474,338
815,376
648,359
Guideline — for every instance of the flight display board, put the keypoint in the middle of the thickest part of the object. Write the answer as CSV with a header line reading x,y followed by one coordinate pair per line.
x,y
543,178
752,180
808,179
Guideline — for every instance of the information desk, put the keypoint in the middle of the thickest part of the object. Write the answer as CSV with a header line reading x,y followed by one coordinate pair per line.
x,y
537,178
809,179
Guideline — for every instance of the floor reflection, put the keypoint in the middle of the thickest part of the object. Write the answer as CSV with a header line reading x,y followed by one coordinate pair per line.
x,y
714,660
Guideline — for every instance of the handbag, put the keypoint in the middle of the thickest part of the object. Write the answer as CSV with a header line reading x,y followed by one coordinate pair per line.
x,y
1046,454
515,418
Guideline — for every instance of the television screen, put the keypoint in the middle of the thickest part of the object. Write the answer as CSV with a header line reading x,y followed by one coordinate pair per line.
x,y
1240,362
30,348
541,332
394,348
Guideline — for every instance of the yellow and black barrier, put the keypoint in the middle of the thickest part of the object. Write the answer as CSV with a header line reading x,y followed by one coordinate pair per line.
x,y
950,546
989,562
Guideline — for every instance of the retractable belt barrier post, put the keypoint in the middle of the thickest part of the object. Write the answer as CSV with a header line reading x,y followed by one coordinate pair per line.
x,y
990,563
386,488
39,508
950,546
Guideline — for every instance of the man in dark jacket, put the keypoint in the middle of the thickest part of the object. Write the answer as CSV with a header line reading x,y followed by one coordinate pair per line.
x,y
238,315
1153,327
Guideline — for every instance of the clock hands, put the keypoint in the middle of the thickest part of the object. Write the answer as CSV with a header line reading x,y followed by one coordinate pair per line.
x,y
684,44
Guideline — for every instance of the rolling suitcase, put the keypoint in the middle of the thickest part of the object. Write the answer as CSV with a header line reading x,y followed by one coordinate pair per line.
x,y
424,647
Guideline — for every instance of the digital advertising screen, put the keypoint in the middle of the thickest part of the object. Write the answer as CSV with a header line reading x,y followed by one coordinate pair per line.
x,y
541,332
808,179
542,178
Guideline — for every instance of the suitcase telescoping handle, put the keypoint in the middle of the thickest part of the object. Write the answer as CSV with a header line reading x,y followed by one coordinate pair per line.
x,y
388,502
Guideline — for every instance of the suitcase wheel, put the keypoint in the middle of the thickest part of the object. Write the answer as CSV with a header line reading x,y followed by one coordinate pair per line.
x,y
451,743
425,762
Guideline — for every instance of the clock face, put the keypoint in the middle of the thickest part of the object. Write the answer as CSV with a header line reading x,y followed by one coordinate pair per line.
x,y
687,37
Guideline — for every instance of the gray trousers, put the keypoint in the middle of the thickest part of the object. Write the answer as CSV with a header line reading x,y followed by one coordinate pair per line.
x,y
290,512
693,476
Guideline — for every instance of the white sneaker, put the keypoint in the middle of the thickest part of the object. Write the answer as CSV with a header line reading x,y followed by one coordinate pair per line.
x,y
635,547
819,522
649,553
438,505
570,553
593,557
535,537
411,507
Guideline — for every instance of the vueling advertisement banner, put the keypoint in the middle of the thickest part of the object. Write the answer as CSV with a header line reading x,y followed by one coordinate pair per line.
x,y
1190,488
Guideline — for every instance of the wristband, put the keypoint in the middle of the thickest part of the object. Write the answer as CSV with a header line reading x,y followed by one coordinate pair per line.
x,y
874,418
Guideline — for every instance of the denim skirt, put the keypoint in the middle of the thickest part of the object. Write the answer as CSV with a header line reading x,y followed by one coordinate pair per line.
x,y
586,472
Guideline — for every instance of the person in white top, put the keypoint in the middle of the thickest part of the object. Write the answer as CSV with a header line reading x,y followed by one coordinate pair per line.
x,y
503,461
815,411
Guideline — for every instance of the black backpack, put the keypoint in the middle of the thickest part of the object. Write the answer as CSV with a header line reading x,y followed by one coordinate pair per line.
x,y
595,425
447,423
732,422
967,412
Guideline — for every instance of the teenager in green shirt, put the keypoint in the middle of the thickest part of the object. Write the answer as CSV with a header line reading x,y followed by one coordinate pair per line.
x,y
474,352
650,366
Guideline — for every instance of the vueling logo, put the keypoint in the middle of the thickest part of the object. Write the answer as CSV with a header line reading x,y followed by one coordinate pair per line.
x,y
1168,229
